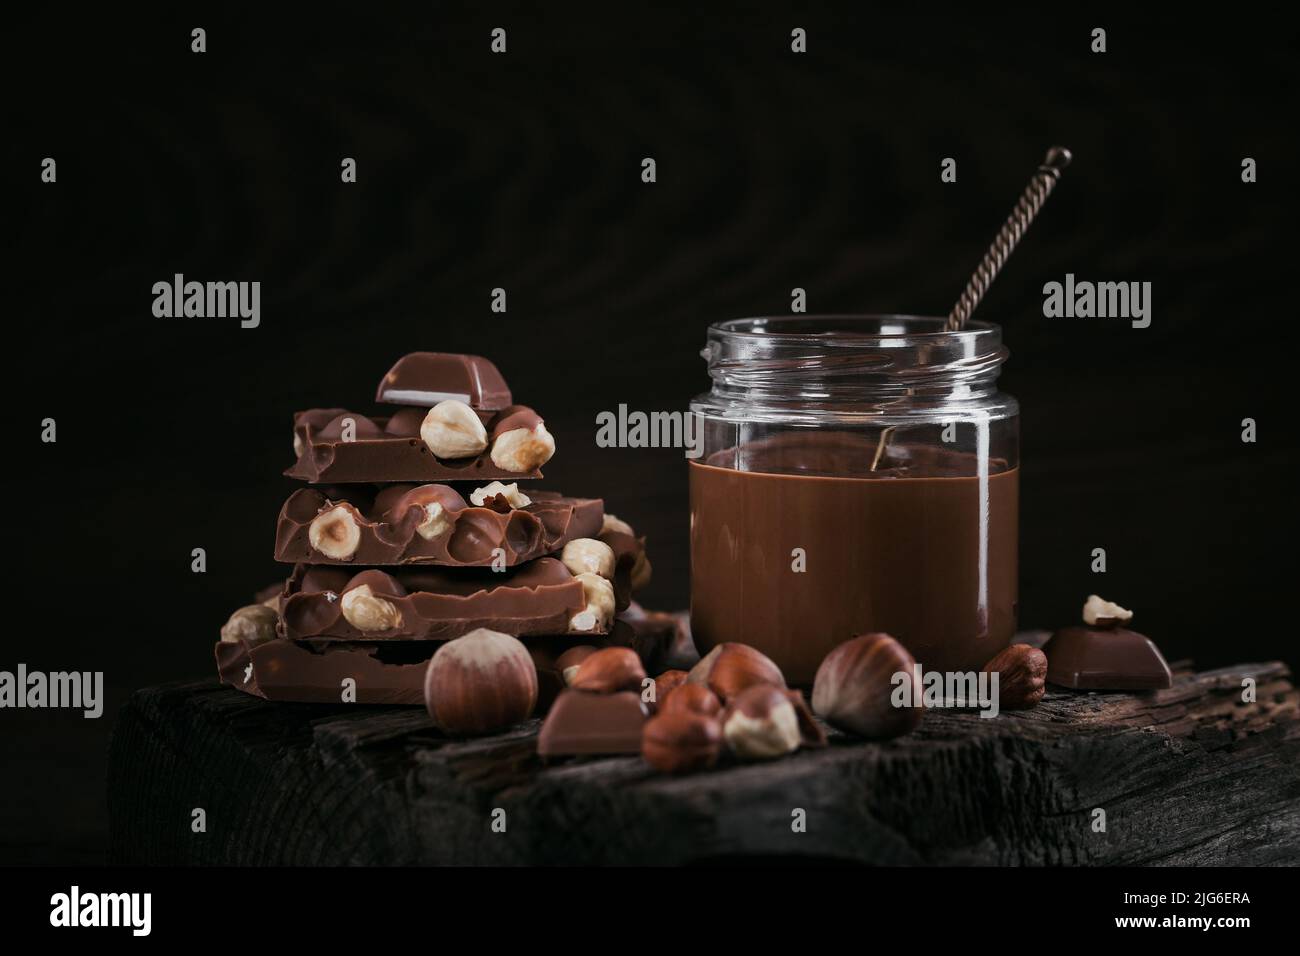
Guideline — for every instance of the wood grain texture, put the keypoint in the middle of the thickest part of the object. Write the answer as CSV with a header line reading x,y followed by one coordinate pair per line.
x,y
1190,775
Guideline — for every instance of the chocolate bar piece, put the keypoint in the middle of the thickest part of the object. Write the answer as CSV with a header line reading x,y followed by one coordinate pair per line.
x,y
1097,658
384,673
583,723
422,604
427,524
337,445
427,378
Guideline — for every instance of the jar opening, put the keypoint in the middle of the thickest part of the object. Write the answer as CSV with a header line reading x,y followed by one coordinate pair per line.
x,y
836,353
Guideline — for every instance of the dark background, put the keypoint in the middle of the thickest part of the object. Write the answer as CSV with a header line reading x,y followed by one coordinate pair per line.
x,y
775,170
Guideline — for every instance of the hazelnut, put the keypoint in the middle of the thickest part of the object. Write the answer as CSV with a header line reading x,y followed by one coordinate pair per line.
x,y
436,504
681,741
666,683
599,612
452,429
855,683
480,683
495,491
695,697
253,625
1098,612
567,663
1022,676
616,524
588,554
367,612
523,449
608,671
761,723
730,668
335,532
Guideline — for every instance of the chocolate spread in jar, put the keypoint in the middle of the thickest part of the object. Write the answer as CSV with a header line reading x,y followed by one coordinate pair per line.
x,y
924,547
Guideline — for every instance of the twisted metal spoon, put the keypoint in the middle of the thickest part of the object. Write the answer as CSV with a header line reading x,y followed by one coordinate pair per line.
x,y
1031,200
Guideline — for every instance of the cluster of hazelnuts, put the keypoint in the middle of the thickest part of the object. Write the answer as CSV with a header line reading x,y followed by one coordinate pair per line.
x,y
734,701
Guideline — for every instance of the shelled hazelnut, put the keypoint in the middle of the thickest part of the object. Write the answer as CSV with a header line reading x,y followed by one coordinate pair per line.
x,y
609,670
730,668
1022,676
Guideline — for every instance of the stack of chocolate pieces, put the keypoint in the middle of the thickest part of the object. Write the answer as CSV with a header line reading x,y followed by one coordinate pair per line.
x,y
415,530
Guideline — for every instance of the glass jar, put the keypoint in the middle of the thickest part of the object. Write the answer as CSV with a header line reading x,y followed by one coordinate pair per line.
x,y
857,474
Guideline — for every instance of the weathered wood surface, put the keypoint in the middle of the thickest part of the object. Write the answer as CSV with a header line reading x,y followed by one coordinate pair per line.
x,y
1185,776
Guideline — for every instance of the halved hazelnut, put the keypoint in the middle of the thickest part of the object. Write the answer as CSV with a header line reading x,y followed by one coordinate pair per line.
x,y
365,611
523,449
452,429
1098,612
588,554
335,532
494,492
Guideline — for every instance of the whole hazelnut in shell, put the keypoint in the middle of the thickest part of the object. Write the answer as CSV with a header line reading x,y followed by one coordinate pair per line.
x,y
855,685
480,683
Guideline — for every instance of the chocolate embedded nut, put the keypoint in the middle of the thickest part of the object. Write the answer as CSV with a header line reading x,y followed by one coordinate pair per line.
x,y
335,532
681,741
523,449
1098,612
608,671
567,663
1022,676
435,503
480,683
496,495
854,686
761,723
367,612
695,697
452,429
665,684
588,554
599,612
254,624
730,668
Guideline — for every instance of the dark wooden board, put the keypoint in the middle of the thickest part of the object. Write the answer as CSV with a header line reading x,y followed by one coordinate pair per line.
x,y
1185,776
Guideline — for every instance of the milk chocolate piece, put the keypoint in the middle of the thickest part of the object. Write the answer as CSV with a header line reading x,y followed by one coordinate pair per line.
x,y
283,670
393,525
582,723
536,598
1095,658
388,449
427,378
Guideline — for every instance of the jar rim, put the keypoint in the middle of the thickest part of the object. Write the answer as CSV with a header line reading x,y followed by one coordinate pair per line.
x,y
838,330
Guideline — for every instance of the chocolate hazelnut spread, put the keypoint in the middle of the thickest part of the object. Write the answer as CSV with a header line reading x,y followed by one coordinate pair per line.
x,y
923,547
